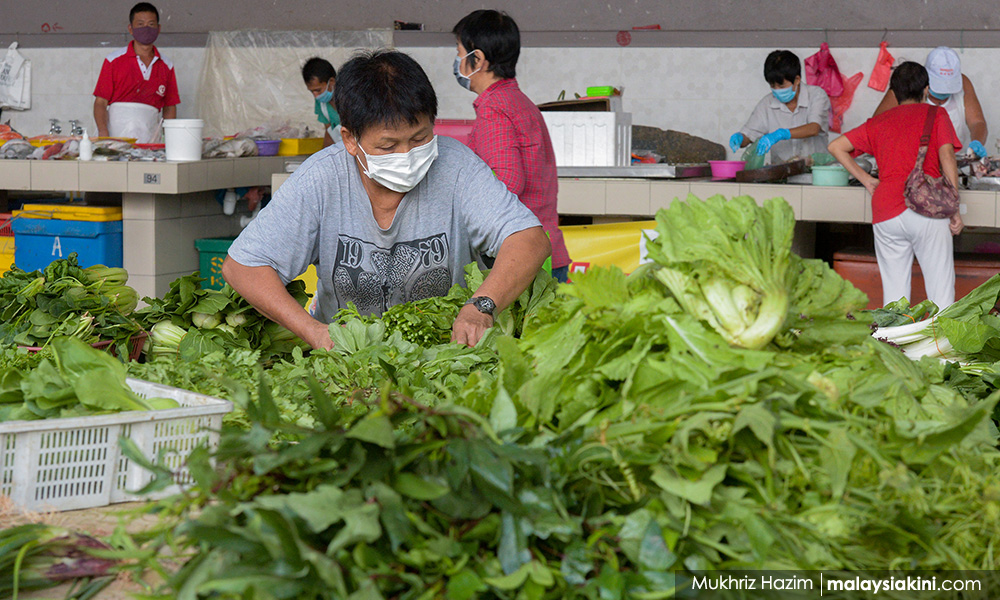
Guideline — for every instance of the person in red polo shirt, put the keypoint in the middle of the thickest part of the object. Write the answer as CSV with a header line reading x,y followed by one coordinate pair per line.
x,y
136,83
509,133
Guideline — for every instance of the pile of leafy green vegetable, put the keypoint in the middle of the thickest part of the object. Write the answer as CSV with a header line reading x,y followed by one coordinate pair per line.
x,y
429,321
37,556
92,304
642,429
190,322
76,381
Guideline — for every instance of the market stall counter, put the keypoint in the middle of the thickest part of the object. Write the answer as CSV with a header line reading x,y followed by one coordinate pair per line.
x,y
642,197
166,206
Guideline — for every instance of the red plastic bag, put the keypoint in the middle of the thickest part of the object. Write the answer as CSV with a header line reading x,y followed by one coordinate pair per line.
x,y
822,70
840,104
883,69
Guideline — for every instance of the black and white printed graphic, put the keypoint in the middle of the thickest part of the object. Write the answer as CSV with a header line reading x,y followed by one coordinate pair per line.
x,y
375,278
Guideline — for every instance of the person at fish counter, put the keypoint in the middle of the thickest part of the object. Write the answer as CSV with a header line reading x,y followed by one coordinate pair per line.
x,y
321,79
952,91
391,215
136,83
793,120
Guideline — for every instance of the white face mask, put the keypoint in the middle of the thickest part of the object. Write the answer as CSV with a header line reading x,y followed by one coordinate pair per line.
x,y
400,171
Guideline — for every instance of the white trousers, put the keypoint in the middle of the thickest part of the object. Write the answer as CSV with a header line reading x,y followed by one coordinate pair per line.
x,y
898,240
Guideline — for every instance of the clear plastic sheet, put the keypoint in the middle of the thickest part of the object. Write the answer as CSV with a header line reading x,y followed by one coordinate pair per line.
x,y
253,79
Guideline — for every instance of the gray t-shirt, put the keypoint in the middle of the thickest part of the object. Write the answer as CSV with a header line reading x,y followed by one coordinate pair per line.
x,y
322,216
770,114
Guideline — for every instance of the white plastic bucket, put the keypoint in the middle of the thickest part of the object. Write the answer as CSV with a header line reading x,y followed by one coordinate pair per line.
x,y
183,138
134,120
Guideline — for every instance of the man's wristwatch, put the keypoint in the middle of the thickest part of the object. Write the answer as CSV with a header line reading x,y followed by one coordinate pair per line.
x,y
483,304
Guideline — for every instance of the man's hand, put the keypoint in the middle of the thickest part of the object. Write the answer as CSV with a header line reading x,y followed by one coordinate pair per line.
x,y
470,325
956,225
319,337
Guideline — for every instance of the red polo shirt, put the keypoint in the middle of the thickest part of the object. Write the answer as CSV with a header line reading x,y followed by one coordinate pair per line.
x,y
893,138
122,79
511,136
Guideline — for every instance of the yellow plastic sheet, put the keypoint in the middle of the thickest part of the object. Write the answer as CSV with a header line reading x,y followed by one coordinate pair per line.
x,y
617,244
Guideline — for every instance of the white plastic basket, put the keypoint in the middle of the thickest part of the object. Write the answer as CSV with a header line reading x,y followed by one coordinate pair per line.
x,y
68,464
590,139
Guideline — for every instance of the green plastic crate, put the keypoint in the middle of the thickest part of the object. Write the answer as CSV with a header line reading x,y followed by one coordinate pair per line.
x,y
212,253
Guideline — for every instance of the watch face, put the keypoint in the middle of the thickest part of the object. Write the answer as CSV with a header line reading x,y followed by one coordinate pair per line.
x,y
485,305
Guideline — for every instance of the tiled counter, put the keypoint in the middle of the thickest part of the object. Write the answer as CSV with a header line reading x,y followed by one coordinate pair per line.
x,y
643,197
165,205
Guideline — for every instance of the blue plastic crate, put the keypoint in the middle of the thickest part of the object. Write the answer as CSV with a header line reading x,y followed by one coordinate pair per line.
x,y
38,242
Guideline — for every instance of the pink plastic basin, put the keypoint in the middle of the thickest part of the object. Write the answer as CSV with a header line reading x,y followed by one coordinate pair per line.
x,y
726,169
454,128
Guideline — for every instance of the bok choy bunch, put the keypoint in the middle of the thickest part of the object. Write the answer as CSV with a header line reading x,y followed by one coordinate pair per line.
x,y
965,332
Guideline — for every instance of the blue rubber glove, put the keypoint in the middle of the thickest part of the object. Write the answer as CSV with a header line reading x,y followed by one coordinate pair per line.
x,y
735,141
765,142
978,148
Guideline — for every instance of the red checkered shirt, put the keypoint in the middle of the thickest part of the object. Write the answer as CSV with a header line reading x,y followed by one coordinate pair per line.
x,y
511,136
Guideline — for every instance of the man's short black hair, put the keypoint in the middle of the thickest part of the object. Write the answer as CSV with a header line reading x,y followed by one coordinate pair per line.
x,y
496,35
908,81
781,66
143,7
319,69
383,87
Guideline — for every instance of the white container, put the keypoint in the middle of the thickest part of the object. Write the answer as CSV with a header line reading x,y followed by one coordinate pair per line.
x,y
590,139
183,138
67,464
86,147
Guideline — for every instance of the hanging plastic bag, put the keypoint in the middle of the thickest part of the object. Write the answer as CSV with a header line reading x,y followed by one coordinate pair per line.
x,y
879,79
15,80
822,70
840,104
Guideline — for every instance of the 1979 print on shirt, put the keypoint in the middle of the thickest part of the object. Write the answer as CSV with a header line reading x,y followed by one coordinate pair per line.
x,y
375,278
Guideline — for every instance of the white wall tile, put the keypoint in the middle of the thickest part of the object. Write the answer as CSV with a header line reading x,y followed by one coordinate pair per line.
x,y
708,92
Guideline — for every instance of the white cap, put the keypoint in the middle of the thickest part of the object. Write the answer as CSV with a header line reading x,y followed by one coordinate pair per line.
x,y
944,70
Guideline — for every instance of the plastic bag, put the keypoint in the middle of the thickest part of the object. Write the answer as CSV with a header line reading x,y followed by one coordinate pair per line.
x,y
822,70
15,80
840,104
751,158
879,79
254,78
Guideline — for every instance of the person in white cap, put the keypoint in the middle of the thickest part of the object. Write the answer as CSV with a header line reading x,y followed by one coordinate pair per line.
x,y
953,91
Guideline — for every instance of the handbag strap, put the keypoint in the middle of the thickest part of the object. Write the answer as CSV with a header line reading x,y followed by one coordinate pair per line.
x,y
925,139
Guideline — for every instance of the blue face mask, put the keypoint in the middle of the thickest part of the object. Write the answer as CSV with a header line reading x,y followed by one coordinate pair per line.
x,y
463,80
325,97
784,95
939,96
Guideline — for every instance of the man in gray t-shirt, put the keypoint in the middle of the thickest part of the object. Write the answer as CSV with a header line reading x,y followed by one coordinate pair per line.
x,y
392,215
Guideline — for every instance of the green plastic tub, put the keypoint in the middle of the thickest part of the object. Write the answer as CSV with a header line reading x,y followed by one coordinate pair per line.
x,y
211,254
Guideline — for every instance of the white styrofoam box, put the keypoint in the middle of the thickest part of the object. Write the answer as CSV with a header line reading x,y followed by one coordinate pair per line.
x,y
73,463
590,139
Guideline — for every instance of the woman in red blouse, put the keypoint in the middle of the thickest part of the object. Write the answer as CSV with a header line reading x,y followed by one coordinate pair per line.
x,y
509,132
893,138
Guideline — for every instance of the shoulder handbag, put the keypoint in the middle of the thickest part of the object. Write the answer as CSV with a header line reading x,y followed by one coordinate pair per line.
x,y
933,197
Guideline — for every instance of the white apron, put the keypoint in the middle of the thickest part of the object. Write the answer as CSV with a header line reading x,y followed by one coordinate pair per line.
x,y
955,105
134,120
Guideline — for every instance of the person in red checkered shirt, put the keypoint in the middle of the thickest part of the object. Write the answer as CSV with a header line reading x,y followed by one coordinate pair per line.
x,y
509,132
